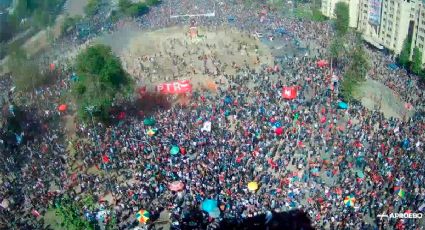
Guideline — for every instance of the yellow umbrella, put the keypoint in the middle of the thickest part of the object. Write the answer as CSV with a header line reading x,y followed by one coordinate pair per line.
x,y
252,186
151,132
142,216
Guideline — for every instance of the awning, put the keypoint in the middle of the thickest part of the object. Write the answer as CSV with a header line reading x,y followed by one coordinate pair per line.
x,y
372,42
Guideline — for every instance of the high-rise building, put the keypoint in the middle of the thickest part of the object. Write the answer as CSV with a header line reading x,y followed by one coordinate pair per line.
x,y
386,23
418,36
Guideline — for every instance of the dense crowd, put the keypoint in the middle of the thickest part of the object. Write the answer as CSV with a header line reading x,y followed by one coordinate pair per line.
x,y
323,155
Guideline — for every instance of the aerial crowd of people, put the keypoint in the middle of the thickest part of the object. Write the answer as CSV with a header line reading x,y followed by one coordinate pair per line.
x,y
323,154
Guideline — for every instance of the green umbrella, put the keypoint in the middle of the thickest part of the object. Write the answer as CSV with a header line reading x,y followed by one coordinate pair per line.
x,y
360,174
149,122
174,150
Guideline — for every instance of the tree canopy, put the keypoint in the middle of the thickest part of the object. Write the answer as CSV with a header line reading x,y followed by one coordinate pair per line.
x,y
416,66
356,72
26,72
38,14
92,7
342,14
71,214
336,47
129,8
404,57
101,78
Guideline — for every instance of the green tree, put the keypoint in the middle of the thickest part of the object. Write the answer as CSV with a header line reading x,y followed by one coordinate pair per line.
x,y
101,78
26,72
416,66
336,48
71,215
92,7
356,72
404,57
152,2
133,9
342,14
69,23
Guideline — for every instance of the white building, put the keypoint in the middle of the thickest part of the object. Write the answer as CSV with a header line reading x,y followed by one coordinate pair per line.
x,y
385,23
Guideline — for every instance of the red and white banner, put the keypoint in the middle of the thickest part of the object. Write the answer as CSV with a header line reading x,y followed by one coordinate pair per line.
x,y
175,87
289,92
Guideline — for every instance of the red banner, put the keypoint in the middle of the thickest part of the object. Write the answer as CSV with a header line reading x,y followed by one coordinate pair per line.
x,y
175,87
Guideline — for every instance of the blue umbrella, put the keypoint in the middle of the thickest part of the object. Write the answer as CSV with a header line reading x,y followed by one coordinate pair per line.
x,y
342,105
215,213
209,205
277,124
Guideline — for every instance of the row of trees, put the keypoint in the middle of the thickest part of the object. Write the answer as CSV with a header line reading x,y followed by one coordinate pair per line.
x,y
358,58
414,65
92,7
27,14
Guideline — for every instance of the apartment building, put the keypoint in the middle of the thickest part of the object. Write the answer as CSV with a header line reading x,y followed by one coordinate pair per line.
x,y
386,23
418,36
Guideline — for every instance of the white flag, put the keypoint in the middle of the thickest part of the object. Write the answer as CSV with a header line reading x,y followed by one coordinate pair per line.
x,y
206,126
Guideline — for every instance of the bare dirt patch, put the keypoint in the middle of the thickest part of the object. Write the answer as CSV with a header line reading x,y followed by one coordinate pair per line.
x,y
169,54
375,95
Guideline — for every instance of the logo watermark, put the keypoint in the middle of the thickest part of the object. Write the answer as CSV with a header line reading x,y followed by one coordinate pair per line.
x,y
401,216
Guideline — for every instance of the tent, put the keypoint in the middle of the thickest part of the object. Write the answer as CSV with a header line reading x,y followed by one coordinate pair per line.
x,y
231,18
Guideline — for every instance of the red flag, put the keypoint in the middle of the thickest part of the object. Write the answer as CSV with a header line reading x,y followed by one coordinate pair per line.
x,y
105,159
289,92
